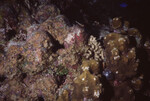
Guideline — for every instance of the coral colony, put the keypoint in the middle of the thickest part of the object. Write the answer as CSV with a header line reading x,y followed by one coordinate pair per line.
x,y
44,58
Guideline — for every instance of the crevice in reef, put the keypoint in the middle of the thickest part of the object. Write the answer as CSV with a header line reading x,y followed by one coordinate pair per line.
x,y
10,34
2,78
57,45
40,98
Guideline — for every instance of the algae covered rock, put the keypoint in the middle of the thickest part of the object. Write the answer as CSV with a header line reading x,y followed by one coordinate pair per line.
x,y
36,51
46,11
41,86
10,92
57,27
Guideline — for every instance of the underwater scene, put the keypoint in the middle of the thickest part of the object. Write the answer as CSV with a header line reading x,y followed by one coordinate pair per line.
x,y
74,50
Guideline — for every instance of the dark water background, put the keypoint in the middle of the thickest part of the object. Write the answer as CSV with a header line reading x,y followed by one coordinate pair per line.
x,y
137,12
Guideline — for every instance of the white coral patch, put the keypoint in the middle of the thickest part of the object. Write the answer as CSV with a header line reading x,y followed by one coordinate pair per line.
x,y
70,38
116,57
78,31
121,39
96,93
83,79
85,68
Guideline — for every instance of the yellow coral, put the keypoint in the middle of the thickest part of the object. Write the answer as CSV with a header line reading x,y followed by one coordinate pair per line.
x,y
86,86
92,64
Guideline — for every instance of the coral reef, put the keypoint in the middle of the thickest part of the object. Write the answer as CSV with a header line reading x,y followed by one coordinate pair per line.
x,y
44,57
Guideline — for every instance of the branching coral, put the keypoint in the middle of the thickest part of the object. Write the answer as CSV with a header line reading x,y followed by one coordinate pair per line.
x,y
93,50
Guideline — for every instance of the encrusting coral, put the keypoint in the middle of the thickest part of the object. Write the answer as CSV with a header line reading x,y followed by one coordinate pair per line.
x,y
120,58
94,65
85,87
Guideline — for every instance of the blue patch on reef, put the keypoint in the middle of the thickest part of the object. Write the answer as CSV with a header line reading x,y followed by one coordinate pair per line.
x,y
123,5
108,74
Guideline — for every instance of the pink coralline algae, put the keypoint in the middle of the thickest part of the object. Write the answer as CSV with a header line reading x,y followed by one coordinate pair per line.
x,y
74,37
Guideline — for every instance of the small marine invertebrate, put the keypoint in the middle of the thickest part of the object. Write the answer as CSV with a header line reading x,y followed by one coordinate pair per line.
x,y
93,50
